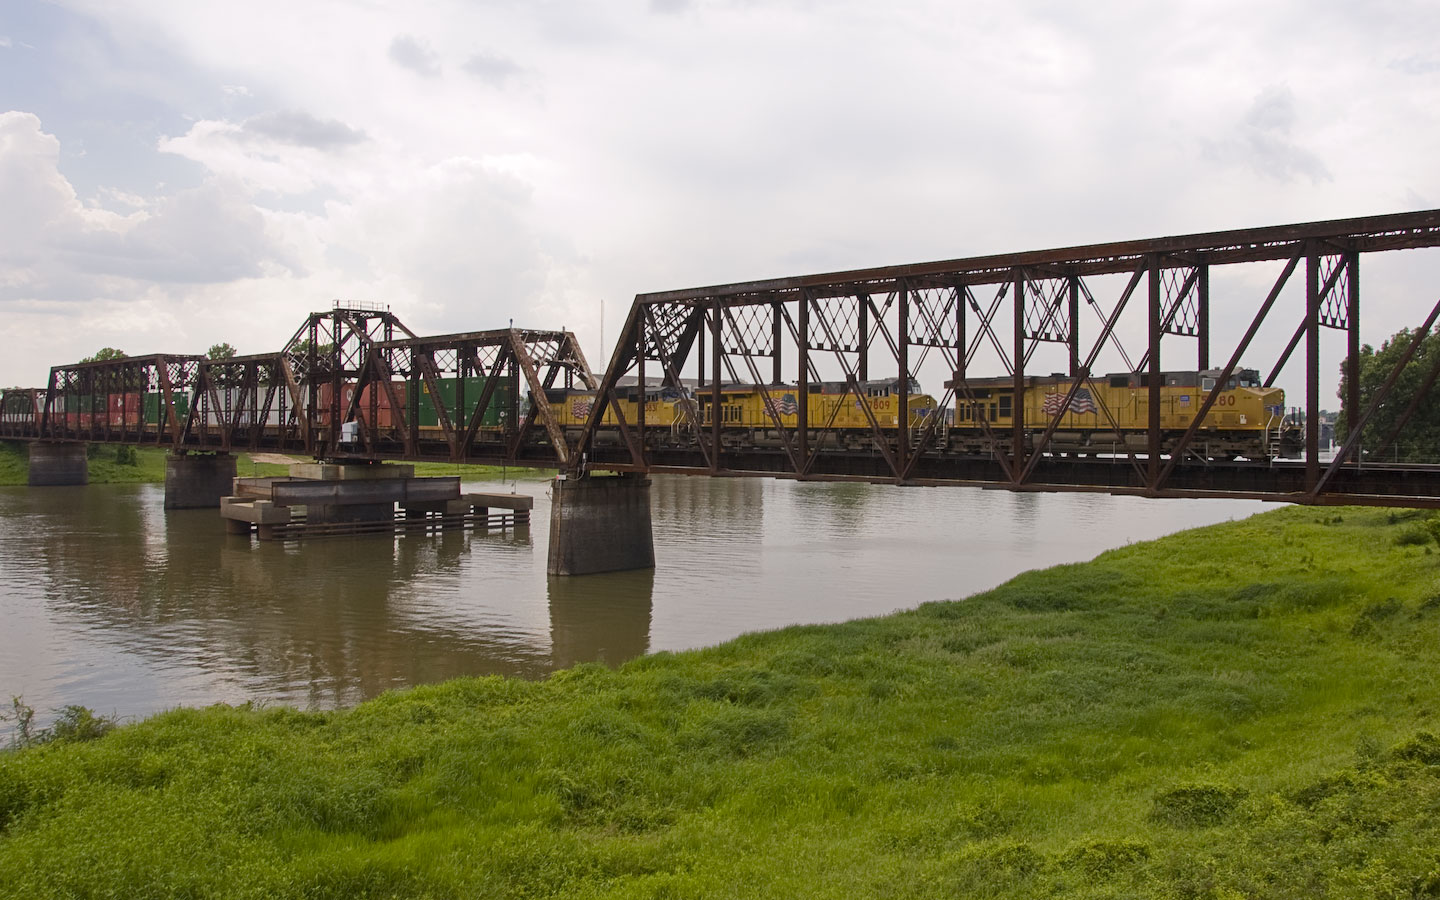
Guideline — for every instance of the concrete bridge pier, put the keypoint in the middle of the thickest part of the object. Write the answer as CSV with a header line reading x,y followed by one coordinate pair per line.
x,y
600,524
198,480
53,464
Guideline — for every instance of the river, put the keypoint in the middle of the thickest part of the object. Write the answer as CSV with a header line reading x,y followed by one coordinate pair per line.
x,y
110,601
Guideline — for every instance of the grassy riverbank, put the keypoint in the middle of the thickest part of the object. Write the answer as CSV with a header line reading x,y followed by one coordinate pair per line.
x,y
1246,710
147,466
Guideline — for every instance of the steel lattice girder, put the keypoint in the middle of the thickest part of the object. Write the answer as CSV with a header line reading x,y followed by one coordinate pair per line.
x,y
536,356
913,309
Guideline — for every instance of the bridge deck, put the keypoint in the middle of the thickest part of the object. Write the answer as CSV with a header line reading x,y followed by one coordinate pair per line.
x,y
355,383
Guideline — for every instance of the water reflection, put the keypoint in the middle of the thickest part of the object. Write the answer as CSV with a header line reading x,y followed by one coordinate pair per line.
x,y
603,618
110,601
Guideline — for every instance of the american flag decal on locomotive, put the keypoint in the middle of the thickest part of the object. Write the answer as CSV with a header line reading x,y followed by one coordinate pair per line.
x,y
581,408
1081,403
785,406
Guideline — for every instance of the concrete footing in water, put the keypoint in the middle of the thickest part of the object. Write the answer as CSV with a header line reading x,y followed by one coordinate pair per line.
x,y
58,464
600,525
198,480
331,499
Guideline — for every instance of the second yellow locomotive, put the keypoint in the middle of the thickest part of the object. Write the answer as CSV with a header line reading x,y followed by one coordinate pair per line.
x,y
1111,414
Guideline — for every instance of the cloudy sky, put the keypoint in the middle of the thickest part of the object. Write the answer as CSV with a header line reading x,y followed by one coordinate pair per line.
x,y
176,174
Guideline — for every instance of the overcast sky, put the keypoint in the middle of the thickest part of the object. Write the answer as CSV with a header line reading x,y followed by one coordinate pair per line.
x,y
176,174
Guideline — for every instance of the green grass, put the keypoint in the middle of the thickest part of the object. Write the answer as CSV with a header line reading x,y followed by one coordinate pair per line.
x,y
149,467
481,473
1247,710
14,463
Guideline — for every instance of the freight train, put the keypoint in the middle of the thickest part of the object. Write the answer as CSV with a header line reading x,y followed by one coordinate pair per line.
x,y
131,410
1112,414
748,413
1108,415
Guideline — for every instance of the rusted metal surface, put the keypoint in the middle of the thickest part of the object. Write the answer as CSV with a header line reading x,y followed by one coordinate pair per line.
x,y
864,323
342,365
512,357
356,384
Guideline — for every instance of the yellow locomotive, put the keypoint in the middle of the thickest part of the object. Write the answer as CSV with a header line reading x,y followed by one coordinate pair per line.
x,y
748,413
572,407
1111,414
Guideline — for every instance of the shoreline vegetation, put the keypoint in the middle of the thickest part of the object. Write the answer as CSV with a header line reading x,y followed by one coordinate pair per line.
x,y
117,464
1244,710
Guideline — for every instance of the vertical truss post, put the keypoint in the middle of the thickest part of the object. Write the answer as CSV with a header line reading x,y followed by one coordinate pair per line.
x,y
1312,365
700,352
962,293
862,365
1153,378
47,420
640,340
902,418
1352,361
802,411
1017,400
512,417
1202,316
716,351
337,382
776,325
413,407
462,365
1074,336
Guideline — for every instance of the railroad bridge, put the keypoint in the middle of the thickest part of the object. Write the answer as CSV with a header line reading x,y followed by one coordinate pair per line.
x,y
354,385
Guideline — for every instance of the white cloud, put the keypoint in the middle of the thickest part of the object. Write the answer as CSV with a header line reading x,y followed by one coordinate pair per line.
x,y
302,130
5,42
284,152
64,258
492,68
1262,140
409,52
679,142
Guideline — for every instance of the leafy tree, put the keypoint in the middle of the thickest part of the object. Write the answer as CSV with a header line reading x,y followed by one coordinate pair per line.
x,y
323,355
129,381
223,376
1419,439
105,353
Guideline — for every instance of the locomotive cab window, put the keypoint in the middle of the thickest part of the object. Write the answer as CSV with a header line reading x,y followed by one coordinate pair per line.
x,y
1006,409
1207,383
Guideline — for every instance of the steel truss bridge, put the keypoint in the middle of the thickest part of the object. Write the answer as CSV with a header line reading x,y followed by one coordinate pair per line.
x,y
993,312
348,364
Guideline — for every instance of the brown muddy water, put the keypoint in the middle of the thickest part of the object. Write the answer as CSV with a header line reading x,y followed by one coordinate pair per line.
x,y
109,601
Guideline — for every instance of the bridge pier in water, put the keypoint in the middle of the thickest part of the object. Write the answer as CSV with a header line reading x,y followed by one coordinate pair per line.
x,y
362,498
198,480
600,525
59,463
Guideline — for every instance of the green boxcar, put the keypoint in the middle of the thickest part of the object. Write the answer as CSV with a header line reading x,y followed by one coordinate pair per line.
x,y
150,404
474,387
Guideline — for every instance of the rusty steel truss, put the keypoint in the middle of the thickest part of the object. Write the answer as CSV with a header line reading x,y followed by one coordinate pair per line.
x,y
355,383
888,321
496,360
343,365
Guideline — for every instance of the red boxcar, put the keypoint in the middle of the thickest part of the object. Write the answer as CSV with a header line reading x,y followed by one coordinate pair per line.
x,y
124,409
347,393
